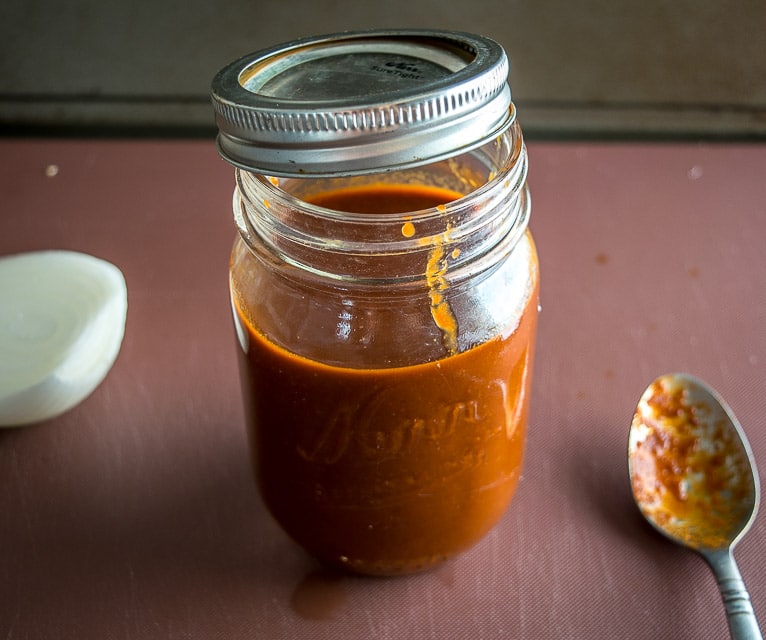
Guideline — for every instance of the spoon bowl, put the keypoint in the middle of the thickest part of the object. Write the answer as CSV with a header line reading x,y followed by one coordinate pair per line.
x,y
694,479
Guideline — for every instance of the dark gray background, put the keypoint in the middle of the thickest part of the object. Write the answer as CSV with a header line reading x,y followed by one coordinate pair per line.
x,y
594,67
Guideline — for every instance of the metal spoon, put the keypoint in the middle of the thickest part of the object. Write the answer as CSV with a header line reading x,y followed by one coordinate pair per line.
x,y
694,479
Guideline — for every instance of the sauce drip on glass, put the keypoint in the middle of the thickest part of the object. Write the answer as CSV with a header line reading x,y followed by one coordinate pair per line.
x,y
385,198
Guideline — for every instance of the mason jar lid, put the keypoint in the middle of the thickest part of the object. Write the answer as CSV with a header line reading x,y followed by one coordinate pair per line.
x,y
359,102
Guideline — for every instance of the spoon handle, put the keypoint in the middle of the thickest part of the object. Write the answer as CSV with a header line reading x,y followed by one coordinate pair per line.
x,y
736,600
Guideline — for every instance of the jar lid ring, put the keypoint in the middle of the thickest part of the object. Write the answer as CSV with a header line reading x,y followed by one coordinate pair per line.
x,y
359,102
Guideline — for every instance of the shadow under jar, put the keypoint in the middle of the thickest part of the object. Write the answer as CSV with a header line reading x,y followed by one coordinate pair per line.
x,y
387,324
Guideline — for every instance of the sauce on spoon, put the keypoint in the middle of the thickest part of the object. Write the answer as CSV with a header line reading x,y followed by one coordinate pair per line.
x,y
691,473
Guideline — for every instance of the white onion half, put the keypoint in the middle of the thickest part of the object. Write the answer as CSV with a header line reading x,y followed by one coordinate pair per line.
x,y
62,320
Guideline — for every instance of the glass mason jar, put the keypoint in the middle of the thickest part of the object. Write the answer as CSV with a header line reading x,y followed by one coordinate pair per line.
x,y
387,318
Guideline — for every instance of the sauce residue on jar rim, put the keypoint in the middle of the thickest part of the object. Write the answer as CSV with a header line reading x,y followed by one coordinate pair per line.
x,y
689,470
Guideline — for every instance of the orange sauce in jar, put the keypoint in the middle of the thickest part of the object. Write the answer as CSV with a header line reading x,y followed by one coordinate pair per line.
x,y
375,468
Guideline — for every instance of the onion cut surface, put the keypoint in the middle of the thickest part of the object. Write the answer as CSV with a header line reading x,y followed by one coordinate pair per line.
x,y
62,321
